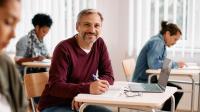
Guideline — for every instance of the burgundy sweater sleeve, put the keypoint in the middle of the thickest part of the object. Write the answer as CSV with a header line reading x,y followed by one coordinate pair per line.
x,y
59,84
105,67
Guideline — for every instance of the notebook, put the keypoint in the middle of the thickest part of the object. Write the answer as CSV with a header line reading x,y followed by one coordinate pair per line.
x,y
155,87
190,66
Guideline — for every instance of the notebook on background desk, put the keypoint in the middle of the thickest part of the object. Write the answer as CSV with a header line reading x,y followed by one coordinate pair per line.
x,y
191,66
44,61
155,87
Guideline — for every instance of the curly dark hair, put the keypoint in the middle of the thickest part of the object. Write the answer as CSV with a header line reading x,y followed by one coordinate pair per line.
x,y
172,28
42,20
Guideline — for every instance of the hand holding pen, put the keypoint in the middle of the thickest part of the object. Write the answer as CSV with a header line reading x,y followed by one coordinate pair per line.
x,y
95,77
98,86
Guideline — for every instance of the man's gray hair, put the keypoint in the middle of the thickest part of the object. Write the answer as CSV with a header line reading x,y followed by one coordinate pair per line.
x,y
88,12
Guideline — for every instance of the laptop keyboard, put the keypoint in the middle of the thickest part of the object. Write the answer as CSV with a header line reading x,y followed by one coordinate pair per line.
x,y
144,87
151,87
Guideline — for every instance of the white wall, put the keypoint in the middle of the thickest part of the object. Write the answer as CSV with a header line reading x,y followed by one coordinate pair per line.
x,y
115,31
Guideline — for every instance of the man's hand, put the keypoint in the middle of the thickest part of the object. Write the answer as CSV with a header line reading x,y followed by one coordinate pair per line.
x,y
76,105
99,87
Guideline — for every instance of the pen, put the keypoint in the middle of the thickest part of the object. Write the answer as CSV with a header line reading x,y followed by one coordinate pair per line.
x,y
95,77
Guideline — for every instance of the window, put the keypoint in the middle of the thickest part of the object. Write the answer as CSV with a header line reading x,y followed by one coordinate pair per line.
x,y
146,16
63,13
72,9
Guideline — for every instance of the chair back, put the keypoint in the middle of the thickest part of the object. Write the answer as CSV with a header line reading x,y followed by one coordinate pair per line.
x,y
35,83
128,67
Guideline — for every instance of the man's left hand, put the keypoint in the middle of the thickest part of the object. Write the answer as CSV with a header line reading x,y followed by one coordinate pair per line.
x,y
76,105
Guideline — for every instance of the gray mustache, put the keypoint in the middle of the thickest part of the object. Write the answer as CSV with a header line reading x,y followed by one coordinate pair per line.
x,y
91,33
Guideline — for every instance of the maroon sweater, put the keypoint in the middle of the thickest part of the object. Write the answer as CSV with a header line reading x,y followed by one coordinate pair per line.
x,y
71,71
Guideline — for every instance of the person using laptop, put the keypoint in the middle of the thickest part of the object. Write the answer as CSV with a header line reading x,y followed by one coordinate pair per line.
x,y
153,54
155,87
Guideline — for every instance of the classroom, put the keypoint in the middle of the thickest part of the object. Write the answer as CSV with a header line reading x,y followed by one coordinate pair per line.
x,y
89,53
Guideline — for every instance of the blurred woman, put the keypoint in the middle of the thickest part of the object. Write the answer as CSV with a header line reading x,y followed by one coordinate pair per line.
x,y
11,88
31,47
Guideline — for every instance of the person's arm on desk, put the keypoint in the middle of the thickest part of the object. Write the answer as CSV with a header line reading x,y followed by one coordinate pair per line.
x,y
179,64
97,87
21,52
21,60
101,84
105,71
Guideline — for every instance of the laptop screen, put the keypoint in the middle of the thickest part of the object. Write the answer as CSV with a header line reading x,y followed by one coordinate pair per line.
x,y
164,74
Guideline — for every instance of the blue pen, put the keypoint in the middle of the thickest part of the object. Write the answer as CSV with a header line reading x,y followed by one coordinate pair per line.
x,y
95,77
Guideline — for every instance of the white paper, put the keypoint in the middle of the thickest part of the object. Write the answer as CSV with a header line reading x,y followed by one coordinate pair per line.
x,y
191,67
114,91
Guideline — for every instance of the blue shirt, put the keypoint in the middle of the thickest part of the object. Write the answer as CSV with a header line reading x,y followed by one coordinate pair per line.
x,y
151,56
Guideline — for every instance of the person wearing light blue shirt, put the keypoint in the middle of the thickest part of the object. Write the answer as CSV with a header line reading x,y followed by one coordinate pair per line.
x,y
151,57
153,54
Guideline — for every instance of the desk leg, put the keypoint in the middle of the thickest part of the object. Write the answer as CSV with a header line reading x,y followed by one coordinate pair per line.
x,y
32,105
118,109
25,69
82,107
199,96
149,77
193,92
172,103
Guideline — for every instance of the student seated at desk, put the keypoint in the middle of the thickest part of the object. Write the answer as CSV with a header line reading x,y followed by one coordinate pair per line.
x,y
152,55
31,47
74,65
12,97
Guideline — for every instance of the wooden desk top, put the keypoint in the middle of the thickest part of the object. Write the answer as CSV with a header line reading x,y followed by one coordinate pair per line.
x,y
176,71
36,64
116,97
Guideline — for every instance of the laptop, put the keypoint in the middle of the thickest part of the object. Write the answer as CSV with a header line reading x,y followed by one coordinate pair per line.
x,y
154,87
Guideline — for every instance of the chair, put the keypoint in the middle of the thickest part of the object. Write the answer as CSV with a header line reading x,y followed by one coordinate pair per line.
x,y
128,67
34,85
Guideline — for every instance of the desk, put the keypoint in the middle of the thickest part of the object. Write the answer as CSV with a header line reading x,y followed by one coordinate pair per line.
x,y
36,64
115,98
182,73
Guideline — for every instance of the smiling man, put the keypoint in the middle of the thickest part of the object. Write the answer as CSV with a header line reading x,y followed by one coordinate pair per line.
x,y
75,61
